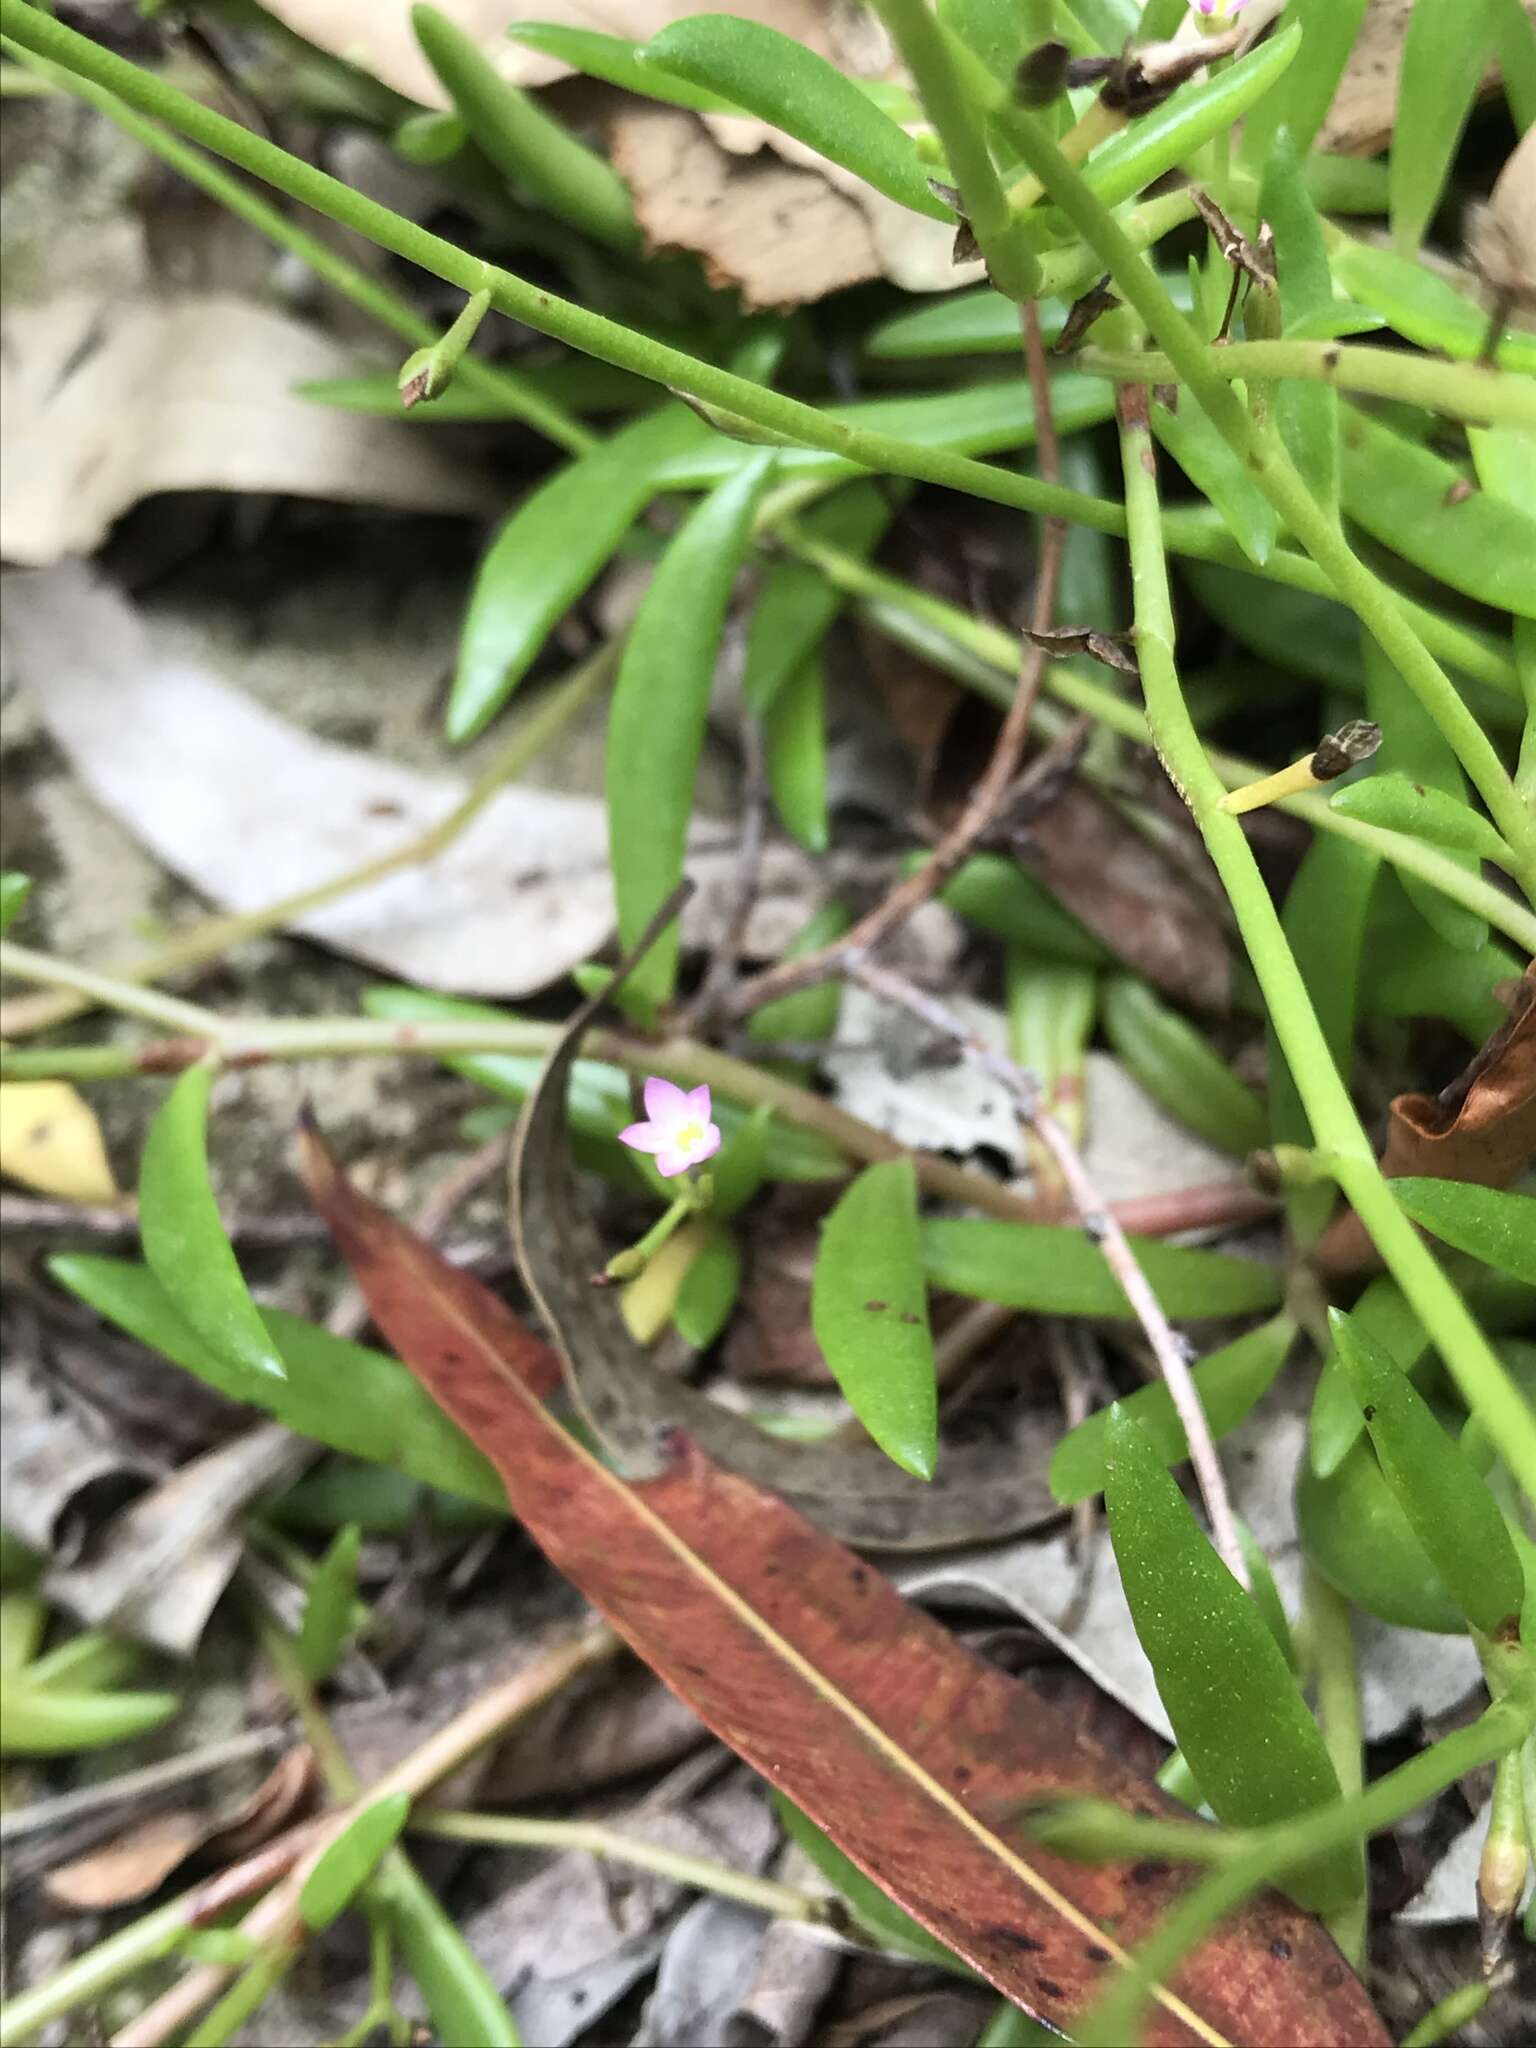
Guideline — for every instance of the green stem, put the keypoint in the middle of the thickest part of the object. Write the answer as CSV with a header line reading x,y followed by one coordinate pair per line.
x,y
1464,391
1338,1712
894,601
626,1265
1277,477
1011,262
90,1976
1484,1384
612,1845
1265,1856
365,292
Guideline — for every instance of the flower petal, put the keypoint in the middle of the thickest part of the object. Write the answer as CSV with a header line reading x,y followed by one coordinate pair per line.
x,y
664,1100
644,1138
669,1162
698,1102
709,1147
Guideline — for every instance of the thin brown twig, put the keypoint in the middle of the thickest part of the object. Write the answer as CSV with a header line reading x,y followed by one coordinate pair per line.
x,y
1100,1223
491,1715
997,778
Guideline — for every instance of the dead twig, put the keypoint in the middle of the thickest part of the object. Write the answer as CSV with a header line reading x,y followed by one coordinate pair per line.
x,y
997,778
1100,1223
44,1815
482,1721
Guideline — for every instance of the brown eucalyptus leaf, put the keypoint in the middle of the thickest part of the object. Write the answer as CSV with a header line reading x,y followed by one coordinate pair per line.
x,y
914,1755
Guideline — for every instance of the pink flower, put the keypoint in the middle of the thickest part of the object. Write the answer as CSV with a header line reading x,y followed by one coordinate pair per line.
x,y
1219,8
678,1130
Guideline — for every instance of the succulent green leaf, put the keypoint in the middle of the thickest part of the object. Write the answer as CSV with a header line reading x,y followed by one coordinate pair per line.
x,y
1449,1508
660,704
795,754
1228,1381
346,1864
1446,50
546,553
709,1290
1179,1067
1491,1224
184,1240
14,891
781,81
869,1309
1057,1271
327,1619
1237,1716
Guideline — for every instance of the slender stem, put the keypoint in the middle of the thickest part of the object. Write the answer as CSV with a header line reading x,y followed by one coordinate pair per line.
x,y
154,1008
925,48
1484,1383
1338,1712
491,1715
612,1845
1248,1861
516,398
891,605
1277,477
214,937
1464,391
1168,1348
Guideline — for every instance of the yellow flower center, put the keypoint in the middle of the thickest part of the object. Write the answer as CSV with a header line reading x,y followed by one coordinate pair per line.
x,y
689,1135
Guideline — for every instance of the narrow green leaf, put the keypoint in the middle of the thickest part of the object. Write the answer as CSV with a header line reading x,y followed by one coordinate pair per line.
x,y
1188,119
999,895
1229,1382
1334,322
1107,23
1179,1068
1423,306
1051,1010
782,82
877,1914
810,1015
184,1240
1201,452
869,1309
740,1167
89,1662
1264,1593
660,704
465,2007
1405,496
1237,1716
524,142
327,1620
795,751
1450,1509
1405,806
1356,1535
546,553
340,1394
348,1863
1447,49
430,139
709,1290
798,603
1416,772
1307,413
1494,1226
43,1721
1383,1313
1517,61
993,29
1505,460
1302,98
14,891
1057,1271
617,61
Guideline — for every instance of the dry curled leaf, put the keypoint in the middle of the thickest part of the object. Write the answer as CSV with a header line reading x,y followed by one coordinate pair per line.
x,y
139,1859
1481,1128
916,1757
1110,648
